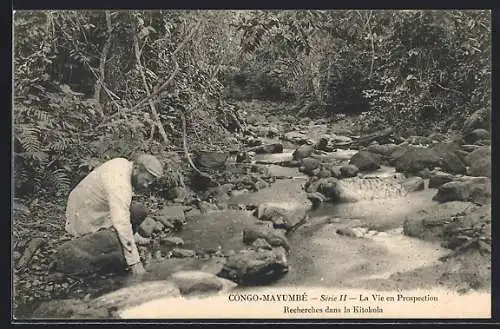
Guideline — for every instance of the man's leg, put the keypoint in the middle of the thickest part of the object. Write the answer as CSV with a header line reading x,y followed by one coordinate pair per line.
x,y
138,212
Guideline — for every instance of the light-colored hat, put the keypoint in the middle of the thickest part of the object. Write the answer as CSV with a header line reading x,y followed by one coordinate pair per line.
x,y
151,164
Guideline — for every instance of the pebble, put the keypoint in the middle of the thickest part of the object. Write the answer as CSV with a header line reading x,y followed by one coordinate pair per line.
x,y
347,232
230,253
183,253
173,241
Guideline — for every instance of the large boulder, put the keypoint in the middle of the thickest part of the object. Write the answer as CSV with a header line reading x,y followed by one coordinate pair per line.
x,y
100,252
438,178
302,152
415,159
137,294
451,160
481,167
445,147
171,215
462,155
297,138
482,152
347,171
280,216
413,184
365,161
331,142
479,162
465,228
255,267
382,137
328,187
66,309
210,160
274,237
341,142
268,148
477,135
397,153
199,282
480,119
162,269
428,224
473,189
309,164
451,163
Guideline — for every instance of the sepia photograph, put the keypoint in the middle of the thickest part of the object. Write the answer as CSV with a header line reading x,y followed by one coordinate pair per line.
x,y
251,164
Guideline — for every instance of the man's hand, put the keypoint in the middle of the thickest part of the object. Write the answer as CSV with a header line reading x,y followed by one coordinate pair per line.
x,y
137,269
140,240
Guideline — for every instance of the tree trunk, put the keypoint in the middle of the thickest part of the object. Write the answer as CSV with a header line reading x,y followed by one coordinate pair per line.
x,y
154,113
102,65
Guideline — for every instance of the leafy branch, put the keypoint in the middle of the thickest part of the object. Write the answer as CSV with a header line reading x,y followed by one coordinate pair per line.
x,y
157,90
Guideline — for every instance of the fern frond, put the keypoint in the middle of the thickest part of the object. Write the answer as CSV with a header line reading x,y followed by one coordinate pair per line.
x,y
33,114
28,136
61,145
56,180
44,116
59,178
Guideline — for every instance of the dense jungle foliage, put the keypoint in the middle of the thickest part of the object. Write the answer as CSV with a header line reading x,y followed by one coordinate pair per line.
x,y
91,85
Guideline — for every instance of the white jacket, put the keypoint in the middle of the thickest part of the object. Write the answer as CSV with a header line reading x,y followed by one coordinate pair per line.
x,y
102,200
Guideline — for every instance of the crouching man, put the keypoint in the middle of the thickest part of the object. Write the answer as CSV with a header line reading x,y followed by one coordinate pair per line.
x,y
102,218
